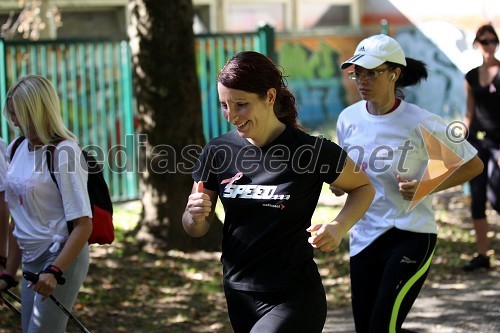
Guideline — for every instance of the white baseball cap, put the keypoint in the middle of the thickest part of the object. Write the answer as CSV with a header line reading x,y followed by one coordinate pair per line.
x,y
374,51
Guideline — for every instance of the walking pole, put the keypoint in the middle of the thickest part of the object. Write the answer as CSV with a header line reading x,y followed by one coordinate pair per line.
x,y
9,304
11,294
33,278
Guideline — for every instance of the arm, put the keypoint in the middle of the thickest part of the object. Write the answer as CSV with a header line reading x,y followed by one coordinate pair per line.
x,y
4,227
4,211
82,227
199,210
72,248
360,193
456,176
14,257
470,106
452,177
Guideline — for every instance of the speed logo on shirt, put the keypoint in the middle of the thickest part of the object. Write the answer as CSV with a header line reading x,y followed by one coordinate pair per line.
x,y
254,192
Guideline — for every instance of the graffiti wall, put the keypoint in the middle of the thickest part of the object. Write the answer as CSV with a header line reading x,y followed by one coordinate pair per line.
x,y
444,90
312,67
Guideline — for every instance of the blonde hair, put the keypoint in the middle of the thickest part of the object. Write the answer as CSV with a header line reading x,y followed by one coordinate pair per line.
x,y
36,104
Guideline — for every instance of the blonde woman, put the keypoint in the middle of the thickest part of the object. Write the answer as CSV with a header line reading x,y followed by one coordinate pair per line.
x,y
41,208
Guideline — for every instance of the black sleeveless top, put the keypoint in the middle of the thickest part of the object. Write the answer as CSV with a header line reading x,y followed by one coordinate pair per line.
x,y
487,100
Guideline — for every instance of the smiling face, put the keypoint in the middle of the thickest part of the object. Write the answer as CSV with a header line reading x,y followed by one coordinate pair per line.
x,y
252,115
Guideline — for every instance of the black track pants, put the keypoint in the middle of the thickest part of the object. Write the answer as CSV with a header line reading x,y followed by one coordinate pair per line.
x,y
386,278
485,186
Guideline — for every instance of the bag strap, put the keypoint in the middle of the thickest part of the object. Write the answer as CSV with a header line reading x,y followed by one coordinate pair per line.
x,y
49,156
16,145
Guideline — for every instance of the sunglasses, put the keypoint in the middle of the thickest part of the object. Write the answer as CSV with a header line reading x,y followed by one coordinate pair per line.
x,y
488,41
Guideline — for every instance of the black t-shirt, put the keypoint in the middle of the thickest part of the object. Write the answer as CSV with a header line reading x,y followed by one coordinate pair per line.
x,y
269,195
487,100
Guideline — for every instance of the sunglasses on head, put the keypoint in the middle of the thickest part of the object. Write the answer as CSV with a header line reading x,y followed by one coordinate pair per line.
x,y
488,41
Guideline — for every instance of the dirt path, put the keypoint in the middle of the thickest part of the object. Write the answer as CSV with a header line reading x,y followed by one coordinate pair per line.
x,y
462,302
473,305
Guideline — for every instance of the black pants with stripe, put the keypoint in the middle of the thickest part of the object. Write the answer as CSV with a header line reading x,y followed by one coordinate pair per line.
x,y
386,278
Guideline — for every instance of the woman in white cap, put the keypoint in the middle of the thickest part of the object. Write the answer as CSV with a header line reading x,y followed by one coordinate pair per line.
x,y
391,140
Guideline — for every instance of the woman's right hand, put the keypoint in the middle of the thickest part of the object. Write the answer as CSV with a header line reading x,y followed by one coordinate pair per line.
x,y
45,286
199,204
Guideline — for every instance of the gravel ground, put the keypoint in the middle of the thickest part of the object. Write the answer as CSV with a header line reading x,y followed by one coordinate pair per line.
x,y
470,306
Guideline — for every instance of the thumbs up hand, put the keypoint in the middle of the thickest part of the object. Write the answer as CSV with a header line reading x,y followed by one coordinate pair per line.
x,y
199,187
199,204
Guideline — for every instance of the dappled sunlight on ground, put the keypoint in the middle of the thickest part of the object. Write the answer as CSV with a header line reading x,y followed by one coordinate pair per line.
x,y
135,291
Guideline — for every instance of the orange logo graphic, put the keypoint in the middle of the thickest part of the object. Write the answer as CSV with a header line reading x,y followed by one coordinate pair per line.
x,y
443,162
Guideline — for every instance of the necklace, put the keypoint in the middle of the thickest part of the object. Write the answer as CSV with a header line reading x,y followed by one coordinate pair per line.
x,y
493,89
487,74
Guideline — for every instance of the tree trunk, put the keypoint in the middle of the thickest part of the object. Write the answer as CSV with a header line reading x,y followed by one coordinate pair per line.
x,y
169,119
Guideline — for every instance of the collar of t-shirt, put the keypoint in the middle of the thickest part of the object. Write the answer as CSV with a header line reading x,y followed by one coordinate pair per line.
x,y
394,107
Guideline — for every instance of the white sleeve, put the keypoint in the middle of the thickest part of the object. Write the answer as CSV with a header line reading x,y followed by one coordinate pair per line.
x,y
70,170
3,164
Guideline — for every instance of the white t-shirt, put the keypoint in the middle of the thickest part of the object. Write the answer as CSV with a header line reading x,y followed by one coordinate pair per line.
x,y
39,208
3,164
387,145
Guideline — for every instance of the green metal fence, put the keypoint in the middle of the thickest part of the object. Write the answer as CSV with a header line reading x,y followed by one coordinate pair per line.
x,y
93,80
94,83
213,50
